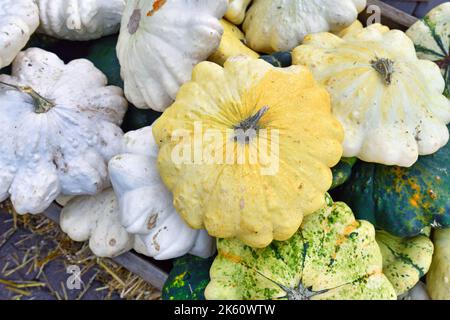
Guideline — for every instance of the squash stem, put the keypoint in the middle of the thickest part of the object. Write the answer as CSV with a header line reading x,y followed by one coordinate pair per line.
x,y
42,105
299,293
385,67
252,121
245,131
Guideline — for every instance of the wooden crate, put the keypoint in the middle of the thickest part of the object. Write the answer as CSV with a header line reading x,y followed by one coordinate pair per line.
x,y
156,272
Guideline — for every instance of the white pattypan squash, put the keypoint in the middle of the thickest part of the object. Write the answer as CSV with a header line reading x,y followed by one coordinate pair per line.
x,y
18,20
80,19
59,125
159,44
63,200
146,206
236,10
390,102
281,25
96,218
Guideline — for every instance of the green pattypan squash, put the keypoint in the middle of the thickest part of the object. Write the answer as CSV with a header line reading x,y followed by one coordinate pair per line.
x,y
332,256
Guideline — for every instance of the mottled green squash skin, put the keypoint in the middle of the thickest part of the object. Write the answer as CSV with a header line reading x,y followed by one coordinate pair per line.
x,y
102,53
138,118
342,171
402,201
332,256
188,279
405,260
281,59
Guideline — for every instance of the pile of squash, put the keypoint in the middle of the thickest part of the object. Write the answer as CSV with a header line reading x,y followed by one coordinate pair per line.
x,y
100,103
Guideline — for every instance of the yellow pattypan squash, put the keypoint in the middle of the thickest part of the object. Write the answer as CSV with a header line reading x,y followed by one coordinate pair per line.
x,y
231,44
247,149
236,10
354,27
390,103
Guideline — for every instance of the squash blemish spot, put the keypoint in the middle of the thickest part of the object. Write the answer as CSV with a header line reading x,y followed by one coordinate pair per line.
x,y
135,19
242,204
432,194
413,202
156,6
152,221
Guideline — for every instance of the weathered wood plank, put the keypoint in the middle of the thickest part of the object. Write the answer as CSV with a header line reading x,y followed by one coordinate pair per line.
x,y
143,268
390,16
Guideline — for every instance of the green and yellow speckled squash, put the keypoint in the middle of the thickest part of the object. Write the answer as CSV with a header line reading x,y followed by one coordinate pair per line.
x,y
431,37
188,279
399,200
405,260
332,256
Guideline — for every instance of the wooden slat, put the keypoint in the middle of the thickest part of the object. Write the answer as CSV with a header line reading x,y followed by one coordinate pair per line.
x,y
129,260
143,268
391,16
